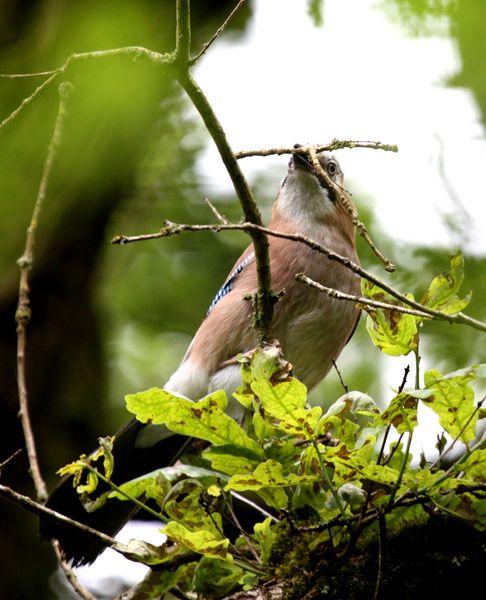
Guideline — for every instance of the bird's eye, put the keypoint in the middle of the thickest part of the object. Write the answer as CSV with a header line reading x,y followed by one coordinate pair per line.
x,y
332,168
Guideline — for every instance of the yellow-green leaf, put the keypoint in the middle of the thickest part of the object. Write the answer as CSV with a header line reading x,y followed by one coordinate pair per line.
x,y
265,536
442,292
202,541
393,332
204,419
402,410
269,474
286,402
452,399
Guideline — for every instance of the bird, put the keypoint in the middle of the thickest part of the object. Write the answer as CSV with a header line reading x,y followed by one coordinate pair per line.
x,y
311,327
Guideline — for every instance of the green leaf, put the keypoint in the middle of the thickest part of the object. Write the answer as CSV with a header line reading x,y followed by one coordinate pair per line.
x,y
156,587
474,466
353,405
269,474
201,541
149,554
185,506
393,332
214,577
142,485
463,506
157,483
452,399
418,479
442,292
106,445
151,406
265,363
231,459
262,428
402,410
286,402
204,419
265,536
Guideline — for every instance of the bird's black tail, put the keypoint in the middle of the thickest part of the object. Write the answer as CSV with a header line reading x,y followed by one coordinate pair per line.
x,y
130,462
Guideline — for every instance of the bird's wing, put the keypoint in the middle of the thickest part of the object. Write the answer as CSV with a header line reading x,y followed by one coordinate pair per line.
x,y
245,259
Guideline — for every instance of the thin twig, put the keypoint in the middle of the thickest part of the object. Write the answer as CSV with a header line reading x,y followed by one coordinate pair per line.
x,y
387,430
330,147
171,229
218,32
359,299
393,450
134,51
42,510
70,574
328,480
241,530
345,387
348,206
22,318
382,539
23,313
29,99
254,505
119,490
27,75
10,458
402,470
216,212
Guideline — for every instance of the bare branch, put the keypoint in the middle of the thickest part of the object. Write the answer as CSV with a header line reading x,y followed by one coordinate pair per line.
x,y
335,144
10,458
26,101
360,299
264,299
23,313
40,509
344,386
27,75
134,51
218,32
171,229
348,206
22,318
70,574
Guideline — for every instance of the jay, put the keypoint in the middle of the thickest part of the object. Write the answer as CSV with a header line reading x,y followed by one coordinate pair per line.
x,y
311,327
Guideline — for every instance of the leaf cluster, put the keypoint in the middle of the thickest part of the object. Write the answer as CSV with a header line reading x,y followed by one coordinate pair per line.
x,y
324,477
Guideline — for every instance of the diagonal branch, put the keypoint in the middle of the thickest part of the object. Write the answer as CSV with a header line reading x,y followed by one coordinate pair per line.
x,y
332,293
218,32
39,509
348,206
171,229
264,299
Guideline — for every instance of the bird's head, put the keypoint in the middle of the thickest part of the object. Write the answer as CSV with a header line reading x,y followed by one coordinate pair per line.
x,y
304,199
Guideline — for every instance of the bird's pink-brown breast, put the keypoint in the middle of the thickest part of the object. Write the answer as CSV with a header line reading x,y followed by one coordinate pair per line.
x,y
311,327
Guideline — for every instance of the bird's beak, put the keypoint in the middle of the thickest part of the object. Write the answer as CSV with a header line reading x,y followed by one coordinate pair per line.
x,y
300,161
